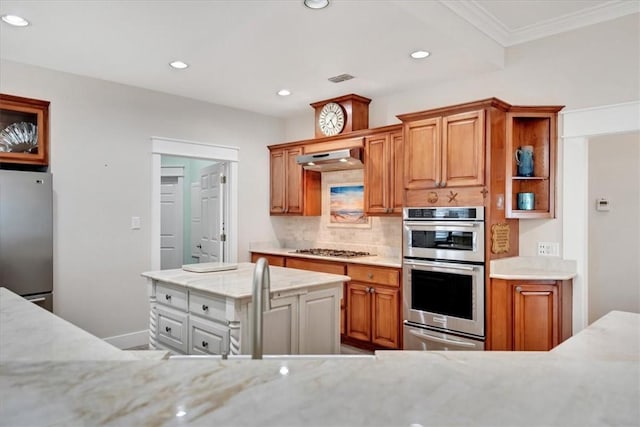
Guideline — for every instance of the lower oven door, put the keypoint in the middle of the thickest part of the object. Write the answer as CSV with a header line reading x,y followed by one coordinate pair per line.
x,y
444,295
417,338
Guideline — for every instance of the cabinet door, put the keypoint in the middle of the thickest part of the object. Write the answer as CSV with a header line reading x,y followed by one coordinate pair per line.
x,y
377,174
359,311
396,175
294,187
278,174
535,317
463,157
384,321
320,321
280,334
422,157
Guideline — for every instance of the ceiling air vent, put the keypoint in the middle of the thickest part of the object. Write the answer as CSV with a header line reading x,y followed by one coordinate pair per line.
x,y
340,78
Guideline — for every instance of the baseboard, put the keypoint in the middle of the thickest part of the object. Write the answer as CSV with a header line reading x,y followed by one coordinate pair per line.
x,y
133,339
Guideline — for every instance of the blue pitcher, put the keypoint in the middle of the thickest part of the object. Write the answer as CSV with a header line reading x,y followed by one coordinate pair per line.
x,y
524,160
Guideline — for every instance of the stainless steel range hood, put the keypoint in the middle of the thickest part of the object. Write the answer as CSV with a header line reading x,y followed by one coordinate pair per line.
x,y
348,158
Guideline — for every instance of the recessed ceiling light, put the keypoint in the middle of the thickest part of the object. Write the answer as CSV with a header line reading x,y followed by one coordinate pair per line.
x,y
16,21
284,92
316,4
420,54
179,65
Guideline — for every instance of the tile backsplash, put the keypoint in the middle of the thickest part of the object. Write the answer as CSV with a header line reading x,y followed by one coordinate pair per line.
x,y
383,237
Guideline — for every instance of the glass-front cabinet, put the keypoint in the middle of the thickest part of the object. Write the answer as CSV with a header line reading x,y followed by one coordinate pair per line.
x,y
24,130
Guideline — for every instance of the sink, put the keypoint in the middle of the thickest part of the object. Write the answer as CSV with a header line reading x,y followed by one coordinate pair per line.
x,y
274,356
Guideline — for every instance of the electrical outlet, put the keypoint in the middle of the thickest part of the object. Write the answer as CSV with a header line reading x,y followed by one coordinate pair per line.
x,y
549,248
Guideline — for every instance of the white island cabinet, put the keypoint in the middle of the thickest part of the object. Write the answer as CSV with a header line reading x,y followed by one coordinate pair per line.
x,y
209,313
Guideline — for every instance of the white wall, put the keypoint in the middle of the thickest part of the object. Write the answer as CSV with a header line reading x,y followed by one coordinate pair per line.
x,y
592,66
614,236
101,164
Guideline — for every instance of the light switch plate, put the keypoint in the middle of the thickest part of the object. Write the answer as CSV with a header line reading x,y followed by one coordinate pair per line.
x,y
135,223
549,248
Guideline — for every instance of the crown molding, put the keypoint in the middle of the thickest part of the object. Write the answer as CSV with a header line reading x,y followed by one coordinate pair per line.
x,y
479,17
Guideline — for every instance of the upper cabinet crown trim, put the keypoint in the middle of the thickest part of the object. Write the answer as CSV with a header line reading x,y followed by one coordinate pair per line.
x,y
468,106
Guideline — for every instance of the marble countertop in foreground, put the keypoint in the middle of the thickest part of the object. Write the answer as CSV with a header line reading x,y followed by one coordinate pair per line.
x,y
591,379
532,268
368,260
238,283
31,333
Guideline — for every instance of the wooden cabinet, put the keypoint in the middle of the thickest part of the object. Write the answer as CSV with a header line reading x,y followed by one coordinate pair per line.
x,y
534,127
445,151
373,305
529,315
24,123
383,176
294,191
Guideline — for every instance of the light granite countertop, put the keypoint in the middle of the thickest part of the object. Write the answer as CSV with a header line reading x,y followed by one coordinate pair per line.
x,y
374,260
238,283
577,384
532,268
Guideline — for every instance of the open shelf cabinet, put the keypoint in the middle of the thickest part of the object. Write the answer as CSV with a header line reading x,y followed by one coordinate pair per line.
x,y
536,127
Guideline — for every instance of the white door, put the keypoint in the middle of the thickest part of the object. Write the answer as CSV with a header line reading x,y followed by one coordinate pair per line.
x,y
171,207
196,221
212,202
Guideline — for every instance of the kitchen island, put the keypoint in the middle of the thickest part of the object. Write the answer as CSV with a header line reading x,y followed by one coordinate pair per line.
x,y
590,379
209,313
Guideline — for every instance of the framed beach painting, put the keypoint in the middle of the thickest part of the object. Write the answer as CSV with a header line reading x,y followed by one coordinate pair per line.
x,y
346,206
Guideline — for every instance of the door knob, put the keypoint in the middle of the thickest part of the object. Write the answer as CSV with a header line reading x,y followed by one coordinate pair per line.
x,y
199,246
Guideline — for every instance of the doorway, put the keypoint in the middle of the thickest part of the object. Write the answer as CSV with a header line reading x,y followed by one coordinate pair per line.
x,y
224,155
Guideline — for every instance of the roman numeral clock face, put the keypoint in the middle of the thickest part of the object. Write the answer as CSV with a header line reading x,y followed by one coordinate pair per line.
x,y
331,119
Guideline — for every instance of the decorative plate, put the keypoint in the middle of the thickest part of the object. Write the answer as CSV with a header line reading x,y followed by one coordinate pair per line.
x,y
19,137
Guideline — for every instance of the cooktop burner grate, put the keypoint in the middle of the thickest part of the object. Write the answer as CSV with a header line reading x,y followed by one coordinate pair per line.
x,y
332,252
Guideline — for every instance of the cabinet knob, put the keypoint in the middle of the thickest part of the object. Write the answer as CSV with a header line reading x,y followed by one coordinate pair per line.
x,y
205,344
518,288
167,297
443,184
167,329
437,183
371,290
205,307
370,275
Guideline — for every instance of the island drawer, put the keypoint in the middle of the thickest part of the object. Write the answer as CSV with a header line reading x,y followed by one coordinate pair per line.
x,y
207,337
209,306
172,296
377,275
172,328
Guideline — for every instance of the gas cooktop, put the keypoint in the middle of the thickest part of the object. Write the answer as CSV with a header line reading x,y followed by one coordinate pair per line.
x,y
332,252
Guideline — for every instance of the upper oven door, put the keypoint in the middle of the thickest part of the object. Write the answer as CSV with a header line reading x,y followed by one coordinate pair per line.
x,y
444,295
456,241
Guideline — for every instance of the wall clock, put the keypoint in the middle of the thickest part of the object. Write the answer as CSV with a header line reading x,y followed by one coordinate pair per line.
x,y
331,119
341,115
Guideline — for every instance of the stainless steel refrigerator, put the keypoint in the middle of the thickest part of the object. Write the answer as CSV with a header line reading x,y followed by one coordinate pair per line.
x,y
26,235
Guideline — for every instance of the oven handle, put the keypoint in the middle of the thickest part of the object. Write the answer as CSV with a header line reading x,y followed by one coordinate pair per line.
x,y
440,340
441,224
440,264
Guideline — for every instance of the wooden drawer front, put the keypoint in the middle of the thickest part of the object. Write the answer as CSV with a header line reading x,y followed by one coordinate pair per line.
x,y
275,260
172,328
208,306
377,275
208,337
172,296
319,266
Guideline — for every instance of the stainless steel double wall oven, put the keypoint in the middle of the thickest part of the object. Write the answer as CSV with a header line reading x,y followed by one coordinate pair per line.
x,y
443,269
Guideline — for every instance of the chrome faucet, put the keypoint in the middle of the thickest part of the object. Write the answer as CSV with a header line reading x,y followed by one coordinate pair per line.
x,y
261,302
